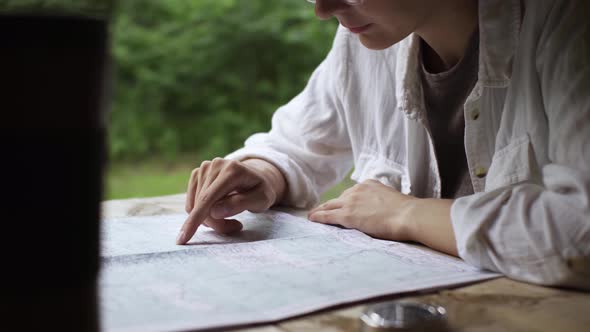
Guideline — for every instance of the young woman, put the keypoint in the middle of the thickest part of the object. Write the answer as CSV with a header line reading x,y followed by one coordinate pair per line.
x,y
467,123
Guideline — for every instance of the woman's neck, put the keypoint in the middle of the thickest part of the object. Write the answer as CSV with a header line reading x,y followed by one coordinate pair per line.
x,y
448,33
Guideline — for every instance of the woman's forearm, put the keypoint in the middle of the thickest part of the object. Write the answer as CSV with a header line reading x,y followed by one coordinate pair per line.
x,y
429,223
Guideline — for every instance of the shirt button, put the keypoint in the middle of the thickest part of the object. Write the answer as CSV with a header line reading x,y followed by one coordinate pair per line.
x,y
474,114
481,172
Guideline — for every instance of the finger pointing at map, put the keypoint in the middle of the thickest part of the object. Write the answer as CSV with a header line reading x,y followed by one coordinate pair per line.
x,y
221,188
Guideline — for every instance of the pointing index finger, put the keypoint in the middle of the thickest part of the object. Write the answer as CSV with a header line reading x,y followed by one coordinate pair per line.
x,y
189,228
199,213
220,188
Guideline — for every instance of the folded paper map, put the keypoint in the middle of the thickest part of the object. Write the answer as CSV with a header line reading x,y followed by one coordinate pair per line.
x,y
277,267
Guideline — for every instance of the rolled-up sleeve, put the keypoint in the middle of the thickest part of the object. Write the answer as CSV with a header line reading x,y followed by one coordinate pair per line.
x,y
308,141
533,232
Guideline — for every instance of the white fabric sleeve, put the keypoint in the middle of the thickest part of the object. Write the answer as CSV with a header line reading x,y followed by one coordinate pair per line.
x,y
541,233
309,141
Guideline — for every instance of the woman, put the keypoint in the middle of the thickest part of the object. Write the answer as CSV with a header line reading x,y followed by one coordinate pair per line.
x,y
467,124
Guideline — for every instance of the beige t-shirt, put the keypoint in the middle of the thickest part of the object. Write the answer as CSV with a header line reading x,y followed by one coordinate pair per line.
x,y
445,94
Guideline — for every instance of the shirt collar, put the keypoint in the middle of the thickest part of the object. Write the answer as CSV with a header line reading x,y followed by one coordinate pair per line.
x,y
499,29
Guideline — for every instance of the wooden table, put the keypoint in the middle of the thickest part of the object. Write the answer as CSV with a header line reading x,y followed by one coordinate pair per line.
x,y
498,305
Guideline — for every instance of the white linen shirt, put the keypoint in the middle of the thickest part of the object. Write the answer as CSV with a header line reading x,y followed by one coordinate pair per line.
x,y
527,134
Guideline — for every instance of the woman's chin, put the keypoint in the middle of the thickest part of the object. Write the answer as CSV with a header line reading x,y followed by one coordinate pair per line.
x,y
377,43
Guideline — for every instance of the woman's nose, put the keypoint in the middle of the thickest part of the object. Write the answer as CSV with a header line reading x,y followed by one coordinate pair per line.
x,y
325,9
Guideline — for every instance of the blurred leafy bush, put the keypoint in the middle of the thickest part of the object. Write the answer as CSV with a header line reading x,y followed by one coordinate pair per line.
x,y
100,8
200,76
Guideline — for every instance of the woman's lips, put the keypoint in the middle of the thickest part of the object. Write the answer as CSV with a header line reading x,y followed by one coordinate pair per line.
x,y
359,29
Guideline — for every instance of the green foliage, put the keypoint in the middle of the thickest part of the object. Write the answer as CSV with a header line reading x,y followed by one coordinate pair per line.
x,y
94,8
154,177
147,178
201,76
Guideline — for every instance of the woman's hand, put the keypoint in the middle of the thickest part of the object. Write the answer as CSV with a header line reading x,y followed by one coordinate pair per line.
x,y
383,212
370,207
222,188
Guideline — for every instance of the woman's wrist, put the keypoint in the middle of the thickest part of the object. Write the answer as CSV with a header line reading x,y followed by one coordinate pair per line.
x,y
406,219
428,221
272,176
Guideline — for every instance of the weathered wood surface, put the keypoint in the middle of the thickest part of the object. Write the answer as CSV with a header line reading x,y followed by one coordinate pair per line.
x,y
497,305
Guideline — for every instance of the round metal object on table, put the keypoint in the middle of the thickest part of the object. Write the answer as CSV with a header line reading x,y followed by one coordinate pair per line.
x,y
404,316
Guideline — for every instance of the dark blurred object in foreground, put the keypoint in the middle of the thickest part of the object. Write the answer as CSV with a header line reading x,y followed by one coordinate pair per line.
x,y
52,142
